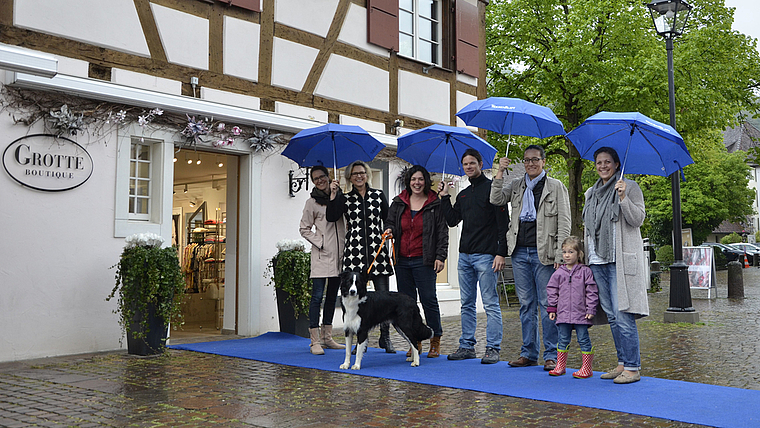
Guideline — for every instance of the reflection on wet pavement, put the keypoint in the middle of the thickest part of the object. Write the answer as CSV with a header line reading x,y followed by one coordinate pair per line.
x,y
190,389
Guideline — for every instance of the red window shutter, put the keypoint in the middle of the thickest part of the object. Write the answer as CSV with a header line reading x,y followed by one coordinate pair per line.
x,y
467,54
382,23
254,5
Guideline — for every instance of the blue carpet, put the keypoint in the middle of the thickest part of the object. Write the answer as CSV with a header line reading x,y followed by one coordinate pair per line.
x,y
661,398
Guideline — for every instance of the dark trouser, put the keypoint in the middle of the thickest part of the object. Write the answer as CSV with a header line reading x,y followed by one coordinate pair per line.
x,y
317,291
381,283
412,278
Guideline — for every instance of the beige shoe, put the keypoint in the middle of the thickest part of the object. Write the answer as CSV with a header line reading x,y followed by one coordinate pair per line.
x,y
612,374
316,348
327,340
628,377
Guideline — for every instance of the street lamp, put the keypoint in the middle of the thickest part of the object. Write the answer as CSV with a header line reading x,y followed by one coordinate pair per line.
x,y
669,17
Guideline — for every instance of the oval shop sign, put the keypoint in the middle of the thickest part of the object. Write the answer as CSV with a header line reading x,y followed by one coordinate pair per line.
x,y
48,163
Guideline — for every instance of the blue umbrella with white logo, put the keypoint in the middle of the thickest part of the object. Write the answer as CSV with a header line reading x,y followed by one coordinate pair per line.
x,y
512,116
644,145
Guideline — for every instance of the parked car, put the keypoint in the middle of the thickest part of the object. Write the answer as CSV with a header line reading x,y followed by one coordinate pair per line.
x,y
747,247
728,254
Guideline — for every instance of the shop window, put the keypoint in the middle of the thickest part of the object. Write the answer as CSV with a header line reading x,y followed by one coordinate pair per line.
x,y
139,181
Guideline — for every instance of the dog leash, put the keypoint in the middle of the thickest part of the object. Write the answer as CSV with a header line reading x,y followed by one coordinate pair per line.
x,y
386,236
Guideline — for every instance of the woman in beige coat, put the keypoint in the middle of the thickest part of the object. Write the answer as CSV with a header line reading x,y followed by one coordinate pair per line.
x,y
327,239
613,215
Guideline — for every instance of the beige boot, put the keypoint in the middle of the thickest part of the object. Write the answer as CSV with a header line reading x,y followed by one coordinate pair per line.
x,y
327,340
316,348
435,347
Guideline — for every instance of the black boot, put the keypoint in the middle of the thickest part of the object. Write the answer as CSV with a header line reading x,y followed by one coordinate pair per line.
x,y
385,339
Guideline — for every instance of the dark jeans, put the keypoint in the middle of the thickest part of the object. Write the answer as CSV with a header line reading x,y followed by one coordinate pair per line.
x,y
413,277
381,282
317,290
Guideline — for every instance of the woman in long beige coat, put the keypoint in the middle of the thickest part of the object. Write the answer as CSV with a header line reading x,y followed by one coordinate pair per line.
x,y
613,215
327,240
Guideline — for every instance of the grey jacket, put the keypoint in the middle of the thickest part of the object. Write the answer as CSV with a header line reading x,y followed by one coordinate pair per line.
x,y
552,216
630,263
327,239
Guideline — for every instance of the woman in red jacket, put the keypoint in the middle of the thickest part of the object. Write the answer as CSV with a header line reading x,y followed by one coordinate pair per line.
x,y
421,242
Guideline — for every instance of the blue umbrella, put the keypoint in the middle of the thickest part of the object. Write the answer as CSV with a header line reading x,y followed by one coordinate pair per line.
x,y
644,145
440,148
332,144
512,116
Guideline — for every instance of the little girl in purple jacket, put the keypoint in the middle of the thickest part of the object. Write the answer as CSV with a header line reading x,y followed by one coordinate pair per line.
x,y
572,303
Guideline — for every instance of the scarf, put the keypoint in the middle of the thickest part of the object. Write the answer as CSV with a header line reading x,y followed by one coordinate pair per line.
x,y
320,196
528,212
599,214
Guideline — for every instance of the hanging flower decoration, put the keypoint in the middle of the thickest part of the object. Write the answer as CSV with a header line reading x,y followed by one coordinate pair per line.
x,y
64,122
67,115
117,118
194,130
145,119
226,138
262,140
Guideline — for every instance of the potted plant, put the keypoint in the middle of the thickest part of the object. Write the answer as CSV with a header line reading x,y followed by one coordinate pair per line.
x,y
149,288
289,271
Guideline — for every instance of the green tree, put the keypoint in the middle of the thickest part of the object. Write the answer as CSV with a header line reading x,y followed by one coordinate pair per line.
x,y
580,57
715,190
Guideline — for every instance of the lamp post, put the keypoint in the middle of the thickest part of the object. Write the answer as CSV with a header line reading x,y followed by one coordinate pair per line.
x,y
669,17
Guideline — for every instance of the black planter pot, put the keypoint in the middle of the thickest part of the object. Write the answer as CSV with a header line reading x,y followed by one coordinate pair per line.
x,y
154,341
288,321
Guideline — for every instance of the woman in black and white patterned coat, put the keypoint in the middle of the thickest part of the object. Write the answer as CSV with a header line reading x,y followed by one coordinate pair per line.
x,y
364,210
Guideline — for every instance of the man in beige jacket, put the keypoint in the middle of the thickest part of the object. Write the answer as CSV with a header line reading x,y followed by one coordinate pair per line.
x,y
540,221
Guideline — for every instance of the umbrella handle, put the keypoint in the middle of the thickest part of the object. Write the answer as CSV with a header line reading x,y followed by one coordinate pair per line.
x,y
509,141
335,161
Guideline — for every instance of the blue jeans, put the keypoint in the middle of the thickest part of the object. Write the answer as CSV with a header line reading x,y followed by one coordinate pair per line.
x,y
531,277
565,332
623,325
474,269
413,277
317,290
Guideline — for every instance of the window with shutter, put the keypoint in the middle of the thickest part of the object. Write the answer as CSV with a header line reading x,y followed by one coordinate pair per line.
x,y
467,57
420,30
383,24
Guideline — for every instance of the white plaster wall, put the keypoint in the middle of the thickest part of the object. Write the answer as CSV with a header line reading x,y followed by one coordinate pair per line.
x,y
423,97
354,31
302,112
462,100
230,98
354,82
291,63
241,48
313,16
280,215
72,67
55,275
112,24
145,81
184,36
466,78
367,125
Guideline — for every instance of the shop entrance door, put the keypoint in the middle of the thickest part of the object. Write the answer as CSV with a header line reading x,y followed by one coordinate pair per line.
x,y
204,191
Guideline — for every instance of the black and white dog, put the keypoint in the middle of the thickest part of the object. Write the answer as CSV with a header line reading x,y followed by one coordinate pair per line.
x,y
363,311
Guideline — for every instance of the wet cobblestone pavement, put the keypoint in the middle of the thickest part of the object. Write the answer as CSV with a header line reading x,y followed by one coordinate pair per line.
x,y
187,389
